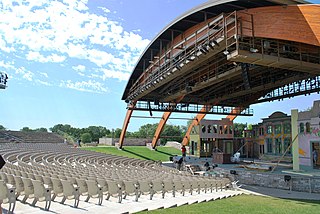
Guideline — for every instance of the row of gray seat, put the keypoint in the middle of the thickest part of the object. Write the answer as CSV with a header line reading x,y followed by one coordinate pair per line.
x,y
43,172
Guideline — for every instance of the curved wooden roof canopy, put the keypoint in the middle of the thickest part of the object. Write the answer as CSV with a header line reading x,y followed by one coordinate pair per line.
x,y
191,18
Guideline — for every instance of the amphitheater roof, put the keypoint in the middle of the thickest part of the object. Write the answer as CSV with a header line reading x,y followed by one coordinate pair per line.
x,y
192,17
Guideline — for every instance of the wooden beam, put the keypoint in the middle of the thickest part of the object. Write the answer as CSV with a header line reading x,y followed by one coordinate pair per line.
x,y
125,125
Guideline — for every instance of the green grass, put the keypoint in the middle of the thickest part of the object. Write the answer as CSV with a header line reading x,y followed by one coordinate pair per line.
x,y
140,152
247,204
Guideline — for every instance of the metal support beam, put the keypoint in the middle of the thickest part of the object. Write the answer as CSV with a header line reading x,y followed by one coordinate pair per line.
x,y
235,111
162,123
125,125
160,127
195,122
200,116
187,108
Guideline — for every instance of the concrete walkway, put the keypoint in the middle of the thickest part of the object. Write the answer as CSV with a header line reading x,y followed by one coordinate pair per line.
x,y
279,193
130,206
127,206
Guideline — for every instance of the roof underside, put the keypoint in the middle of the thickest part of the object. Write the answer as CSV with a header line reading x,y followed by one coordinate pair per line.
x,y
199,14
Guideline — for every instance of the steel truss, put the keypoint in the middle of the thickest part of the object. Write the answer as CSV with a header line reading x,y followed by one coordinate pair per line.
x,y
301,87
188,108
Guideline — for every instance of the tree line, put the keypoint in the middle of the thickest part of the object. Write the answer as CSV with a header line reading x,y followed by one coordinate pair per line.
x,y
93,133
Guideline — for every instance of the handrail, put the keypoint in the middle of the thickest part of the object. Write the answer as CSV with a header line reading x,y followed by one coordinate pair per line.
x,y
189,47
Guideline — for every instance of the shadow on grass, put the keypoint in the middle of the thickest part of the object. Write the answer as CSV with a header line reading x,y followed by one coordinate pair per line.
x,y
305,201
141,156
166,153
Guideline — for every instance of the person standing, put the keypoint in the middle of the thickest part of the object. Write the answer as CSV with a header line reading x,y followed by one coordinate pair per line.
x,y
315,156
183,151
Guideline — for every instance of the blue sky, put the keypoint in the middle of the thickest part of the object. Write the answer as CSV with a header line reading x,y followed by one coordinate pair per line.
x,y
68,61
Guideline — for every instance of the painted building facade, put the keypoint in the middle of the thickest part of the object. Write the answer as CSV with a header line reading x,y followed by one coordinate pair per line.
x,y
309,137
272,136
210,134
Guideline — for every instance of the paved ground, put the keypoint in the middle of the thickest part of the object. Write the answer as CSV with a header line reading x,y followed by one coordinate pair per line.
x,y
279,193
130,206
127,206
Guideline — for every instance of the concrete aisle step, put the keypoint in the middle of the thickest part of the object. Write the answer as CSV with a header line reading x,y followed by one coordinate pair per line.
x,y
128,205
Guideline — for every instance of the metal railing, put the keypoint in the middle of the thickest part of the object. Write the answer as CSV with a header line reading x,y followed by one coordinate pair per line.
x,y
189,108
187,50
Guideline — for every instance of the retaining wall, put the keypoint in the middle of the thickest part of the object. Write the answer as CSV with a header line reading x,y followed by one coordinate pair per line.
x,y
297,183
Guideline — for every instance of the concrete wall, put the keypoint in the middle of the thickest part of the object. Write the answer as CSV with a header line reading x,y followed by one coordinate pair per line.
x,y
299,183
174,144
127,141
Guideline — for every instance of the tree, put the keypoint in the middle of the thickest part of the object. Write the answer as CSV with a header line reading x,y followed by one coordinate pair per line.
x,y
171,133
238,129
26,129
86,138
147,131
41,129
117,133
2,128
97,132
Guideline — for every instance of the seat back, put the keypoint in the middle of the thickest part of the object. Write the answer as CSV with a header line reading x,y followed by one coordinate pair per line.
x,y
68,189
3,190
39,178
72,180
11,179
168,185
103,184
47,181
39,190
3,176
28,186
178,184
113,187
130,186
19,184
145,186
93,188
83,188
24,174
57,186
31,176
157,185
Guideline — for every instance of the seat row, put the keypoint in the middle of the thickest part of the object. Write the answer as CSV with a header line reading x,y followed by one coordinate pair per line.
x,y
45,172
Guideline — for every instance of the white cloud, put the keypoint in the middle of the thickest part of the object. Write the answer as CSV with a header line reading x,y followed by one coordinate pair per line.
x,y
114,74
7,65
79,68
4,47
43,82
87,86
106,10
44,74
36,56
56,31
24,73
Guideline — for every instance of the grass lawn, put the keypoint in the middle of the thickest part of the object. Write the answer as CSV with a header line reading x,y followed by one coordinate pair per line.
x,y
247,204
163,153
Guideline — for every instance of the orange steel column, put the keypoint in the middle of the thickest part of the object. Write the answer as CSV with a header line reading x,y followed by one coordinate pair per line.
x,y
163,122
195,122
236,110
160,127
125,125
200,116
